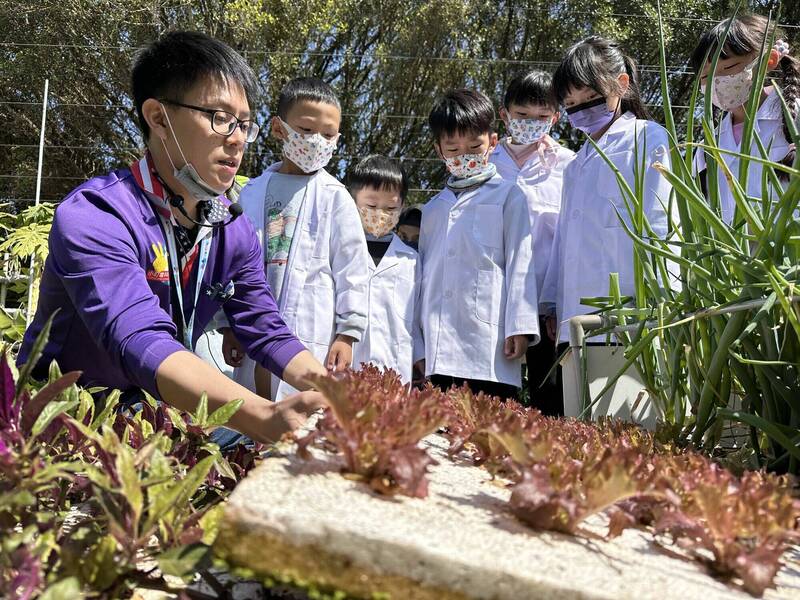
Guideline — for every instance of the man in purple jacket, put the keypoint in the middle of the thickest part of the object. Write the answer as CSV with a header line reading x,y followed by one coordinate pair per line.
x,y
142,258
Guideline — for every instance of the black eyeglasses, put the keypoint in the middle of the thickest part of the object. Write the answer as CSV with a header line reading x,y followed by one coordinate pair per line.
x,y
223,122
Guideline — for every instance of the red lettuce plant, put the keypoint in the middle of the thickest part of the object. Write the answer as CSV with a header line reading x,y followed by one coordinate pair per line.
x,y
736,526
473,416
567,470
377,423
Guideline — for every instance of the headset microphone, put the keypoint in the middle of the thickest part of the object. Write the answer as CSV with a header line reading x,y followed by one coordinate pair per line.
x,y
235,210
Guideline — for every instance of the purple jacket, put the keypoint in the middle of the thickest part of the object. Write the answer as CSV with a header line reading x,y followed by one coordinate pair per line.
x,y
113,295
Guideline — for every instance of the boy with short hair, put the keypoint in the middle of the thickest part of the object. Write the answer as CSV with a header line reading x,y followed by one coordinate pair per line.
x,y
529,157
379,187
479,306
315,253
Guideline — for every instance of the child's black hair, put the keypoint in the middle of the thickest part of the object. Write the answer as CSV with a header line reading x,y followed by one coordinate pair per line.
x,y
747,35
531,87
412,216
310,89
170,66
378,172
461,111
596,63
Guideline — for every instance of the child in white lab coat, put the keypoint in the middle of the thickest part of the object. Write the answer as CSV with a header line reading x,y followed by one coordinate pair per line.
x,y
478,301
736,70
599,86
379,187
315,252
529,157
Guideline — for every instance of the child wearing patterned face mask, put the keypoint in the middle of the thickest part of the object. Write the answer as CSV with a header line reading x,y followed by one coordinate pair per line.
x,y
529,157
733,80
391,340
315,253
478,300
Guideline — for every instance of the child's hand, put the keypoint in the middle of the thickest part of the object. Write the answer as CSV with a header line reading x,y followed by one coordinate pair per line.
x,y
232,350
515,346
340,354
552,325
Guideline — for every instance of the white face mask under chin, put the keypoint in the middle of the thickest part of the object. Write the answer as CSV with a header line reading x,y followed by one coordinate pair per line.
x,y
187,175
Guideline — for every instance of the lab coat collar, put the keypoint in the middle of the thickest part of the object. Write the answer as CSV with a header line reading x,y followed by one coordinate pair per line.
x,y
501,154
394,253
770,110
618,129
448,195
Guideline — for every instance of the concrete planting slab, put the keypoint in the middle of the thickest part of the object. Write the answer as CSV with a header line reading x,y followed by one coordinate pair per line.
x,y
303,520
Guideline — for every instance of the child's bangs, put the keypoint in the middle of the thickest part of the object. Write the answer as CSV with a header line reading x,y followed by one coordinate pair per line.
x,y
745,36
581,70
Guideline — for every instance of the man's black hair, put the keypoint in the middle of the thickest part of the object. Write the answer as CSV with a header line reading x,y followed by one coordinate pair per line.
x,y
309,89
531,87
378,172
461,111
170,66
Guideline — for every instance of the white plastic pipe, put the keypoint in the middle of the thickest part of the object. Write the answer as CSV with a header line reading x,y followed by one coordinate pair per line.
x,y
36,198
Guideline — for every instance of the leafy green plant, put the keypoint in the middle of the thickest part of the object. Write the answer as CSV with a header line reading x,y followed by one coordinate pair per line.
x,y
732,330
98,500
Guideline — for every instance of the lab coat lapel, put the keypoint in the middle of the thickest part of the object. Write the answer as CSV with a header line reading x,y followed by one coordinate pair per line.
x,y
392,257
484,187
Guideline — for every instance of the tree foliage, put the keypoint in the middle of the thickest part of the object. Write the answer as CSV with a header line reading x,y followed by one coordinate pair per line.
x,y
388,59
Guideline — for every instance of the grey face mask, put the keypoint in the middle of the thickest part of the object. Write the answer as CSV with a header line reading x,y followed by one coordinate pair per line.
x,y
187,175
199,190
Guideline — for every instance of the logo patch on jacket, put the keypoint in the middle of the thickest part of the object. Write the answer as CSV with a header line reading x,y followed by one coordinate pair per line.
x,y
160,269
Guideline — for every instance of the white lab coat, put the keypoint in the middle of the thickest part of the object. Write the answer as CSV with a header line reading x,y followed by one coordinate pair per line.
x,y
325,284
590,242
541,181
392,338
769,127
478,281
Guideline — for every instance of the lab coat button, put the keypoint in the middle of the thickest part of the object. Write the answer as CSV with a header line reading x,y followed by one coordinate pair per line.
x,y
576,213
448,294
451,252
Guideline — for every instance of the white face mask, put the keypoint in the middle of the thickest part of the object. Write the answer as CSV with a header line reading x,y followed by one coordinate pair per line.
x,y
310,152
467,165
732,91
528,131
187,175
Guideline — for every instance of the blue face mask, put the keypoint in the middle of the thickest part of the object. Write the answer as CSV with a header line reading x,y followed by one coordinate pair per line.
x,y
591,117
